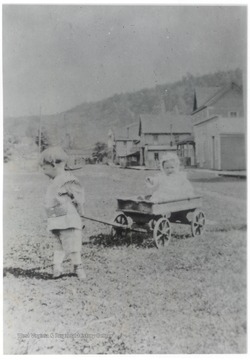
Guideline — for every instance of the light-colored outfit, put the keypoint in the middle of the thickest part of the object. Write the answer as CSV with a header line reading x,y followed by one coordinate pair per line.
x,y
64,201
170,187
69,240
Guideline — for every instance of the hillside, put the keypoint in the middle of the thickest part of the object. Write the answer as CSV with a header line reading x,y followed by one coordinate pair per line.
x,y
84,125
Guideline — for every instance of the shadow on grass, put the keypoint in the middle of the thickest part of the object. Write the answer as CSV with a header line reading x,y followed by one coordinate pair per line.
x,y
32,274
131,239
147,241
218,179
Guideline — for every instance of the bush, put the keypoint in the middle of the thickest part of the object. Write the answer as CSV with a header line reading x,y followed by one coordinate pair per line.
x,y
9,144
100,151
44,141
7,154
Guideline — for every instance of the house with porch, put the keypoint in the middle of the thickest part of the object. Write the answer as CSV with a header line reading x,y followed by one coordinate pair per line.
x,y
127,148
219,123
186,151
160,134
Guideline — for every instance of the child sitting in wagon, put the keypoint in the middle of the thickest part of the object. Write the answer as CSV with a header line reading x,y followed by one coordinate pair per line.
x,y
171,183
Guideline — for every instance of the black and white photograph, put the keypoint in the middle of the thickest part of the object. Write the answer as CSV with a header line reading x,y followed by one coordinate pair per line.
x,y
124,178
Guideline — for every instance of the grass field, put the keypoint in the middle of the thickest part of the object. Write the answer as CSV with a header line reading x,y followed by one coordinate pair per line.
x,y
189,297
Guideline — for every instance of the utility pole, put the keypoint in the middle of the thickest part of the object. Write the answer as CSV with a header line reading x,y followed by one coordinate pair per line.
x,y
165,108
171,134
171,124
40,131
39,136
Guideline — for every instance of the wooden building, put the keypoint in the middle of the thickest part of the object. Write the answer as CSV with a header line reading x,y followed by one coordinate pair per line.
x,y
160,134
127,148
220,128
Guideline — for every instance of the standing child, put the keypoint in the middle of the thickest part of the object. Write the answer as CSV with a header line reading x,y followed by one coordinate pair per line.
x,y
64,201
171,183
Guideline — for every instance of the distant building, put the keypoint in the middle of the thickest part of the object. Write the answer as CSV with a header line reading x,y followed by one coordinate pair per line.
x,y
77,157
186,151
127,147
220,128
160,134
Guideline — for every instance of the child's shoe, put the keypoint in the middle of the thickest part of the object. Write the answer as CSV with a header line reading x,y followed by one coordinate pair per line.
x,y
78,269
57,271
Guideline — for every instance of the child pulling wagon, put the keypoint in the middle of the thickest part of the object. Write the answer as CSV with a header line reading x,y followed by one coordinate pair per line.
x,y
64,207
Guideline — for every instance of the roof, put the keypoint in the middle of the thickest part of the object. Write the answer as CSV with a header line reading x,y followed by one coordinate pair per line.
x,y
159,124
130,154
203,94
128,132
124,139
125,152
187,140
161,147
208,96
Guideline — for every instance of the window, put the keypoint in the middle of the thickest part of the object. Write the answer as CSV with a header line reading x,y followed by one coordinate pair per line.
x,y
176,138
233,114
156,156
155,138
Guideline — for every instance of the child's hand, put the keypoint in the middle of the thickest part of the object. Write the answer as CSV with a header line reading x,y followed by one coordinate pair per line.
x,y
149,181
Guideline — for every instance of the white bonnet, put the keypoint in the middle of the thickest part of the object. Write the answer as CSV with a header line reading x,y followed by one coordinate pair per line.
x,y
170,156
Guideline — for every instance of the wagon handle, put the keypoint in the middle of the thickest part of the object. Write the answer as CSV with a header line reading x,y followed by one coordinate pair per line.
x,y
114,224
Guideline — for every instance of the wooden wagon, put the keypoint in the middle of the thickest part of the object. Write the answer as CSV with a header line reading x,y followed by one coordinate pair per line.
x,y
158,216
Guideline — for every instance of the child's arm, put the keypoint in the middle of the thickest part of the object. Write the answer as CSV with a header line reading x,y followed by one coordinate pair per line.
x,y
76,192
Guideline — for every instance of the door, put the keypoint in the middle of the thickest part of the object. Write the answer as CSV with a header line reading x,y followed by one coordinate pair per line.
x,y
233,152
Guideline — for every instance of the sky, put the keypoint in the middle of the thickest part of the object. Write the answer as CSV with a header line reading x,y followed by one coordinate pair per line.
x,y
55,57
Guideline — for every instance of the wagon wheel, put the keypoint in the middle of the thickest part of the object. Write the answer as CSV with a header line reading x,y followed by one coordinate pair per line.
x,y
122,220
162,232
198,222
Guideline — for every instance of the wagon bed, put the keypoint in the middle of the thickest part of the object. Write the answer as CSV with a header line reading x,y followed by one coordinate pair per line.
x,y
133,205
